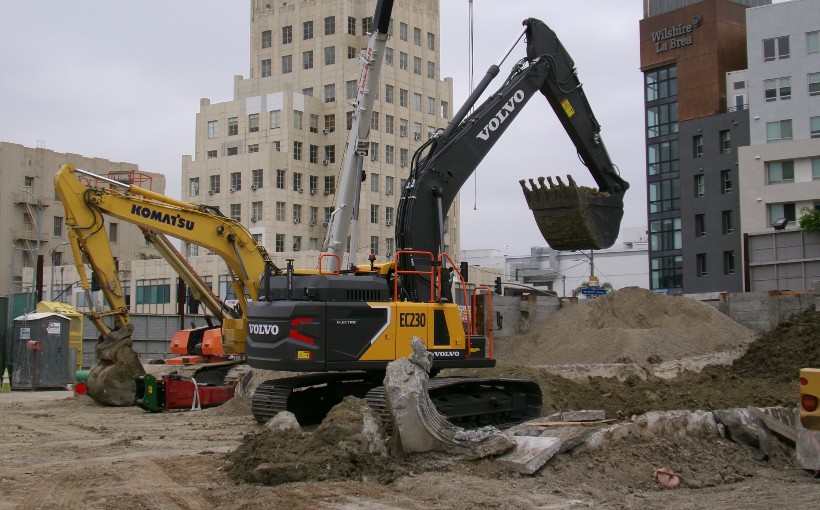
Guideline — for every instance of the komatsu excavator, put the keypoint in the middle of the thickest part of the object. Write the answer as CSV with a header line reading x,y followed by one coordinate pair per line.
x,y
346,326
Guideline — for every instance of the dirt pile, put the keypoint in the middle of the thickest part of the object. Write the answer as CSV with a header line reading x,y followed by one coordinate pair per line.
x,y
629,325
337,450
765,376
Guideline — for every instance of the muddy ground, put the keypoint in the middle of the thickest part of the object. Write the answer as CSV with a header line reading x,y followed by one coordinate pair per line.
x,y
71,452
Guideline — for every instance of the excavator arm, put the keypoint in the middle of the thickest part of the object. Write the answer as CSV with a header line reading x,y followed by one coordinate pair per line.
x,y
111,380
570,217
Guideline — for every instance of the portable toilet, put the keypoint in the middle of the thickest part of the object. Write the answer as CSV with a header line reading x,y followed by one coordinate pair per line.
x,y
75,335
40,354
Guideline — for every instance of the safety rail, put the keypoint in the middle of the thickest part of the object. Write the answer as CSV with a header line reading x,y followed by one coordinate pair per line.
x,y
337,266
488,326
399,271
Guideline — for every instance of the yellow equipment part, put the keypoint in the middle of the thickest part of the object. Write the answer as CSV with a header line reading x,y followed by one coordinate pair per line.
x,y
809,397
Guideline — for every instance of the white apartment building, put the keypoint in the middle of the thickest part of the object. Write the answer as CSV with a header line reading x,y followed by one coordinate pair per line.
x,y
271,156
780,169
35,217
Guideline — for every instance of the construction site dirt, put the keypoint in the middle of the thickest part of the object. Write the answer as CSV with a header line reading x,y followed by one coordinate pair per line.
x,y
62,451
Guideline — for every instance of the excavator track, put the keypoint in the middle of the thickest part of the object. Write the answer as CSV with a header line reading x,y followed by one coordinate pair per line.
x,y
467,402
572,217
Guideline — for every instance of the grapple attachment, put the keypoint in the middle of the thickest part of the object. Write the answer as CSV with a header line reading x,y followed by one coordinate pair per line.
x,y
111,380
573,217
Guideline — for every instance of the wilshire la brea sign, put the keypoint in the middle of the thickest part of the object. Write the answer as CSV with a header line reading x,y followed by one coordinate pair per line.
x,y
675,36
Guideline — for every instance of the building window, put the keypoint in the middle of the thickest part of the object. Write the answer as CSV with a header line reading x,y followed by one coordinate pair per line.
x,y
330,184
374,151
388,184
431,41
445,110
297,182
389,154
417,36
330,93
266,38
431,70
664,196
661,83
367,25
725,141
812,43
388,94
280,211
287,64
280,243
297,213
314,211
374,245
307,60
330,154
700,262
330,123
280,178
313,153
814,84
779,172
403,156
388,56
256,211
277,146
374,213
297,243
403,94
314,184
297,119
374,182
236,181
728,262
212,154
389,124
57,226
697,146
330,25
313,123
233,151
775,47
193,189
307,30
374,121
307,91
662,120
666,272
297,151
778,211
330,55
777,88
113,232
700,225
236,212
778,131
351,52
417,65
154,291
351,89
402,60
815,169
254,147
665,235
214,184
725,181
287,34
663,157
700,185
728,224
257,178
275,119
814,127
266,68
253,123
213,129
403,31
233,126
351,25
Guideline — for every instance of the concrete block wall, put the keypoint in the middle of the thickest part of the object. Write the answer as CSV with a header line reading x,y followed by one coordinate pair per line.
x,y
513,315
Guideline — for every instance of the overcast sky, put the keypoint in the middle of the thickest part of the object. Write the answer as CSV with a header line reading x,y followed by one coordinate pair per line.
x,y
123,80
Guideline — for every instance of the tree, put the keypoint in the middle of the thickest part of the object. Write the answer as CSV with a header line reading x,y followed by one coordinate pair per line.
x,y
810,220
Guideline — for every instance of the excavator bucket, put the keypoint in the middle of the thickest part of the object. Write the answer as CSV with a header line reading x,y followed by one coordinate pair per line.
x,y
573,217
111,381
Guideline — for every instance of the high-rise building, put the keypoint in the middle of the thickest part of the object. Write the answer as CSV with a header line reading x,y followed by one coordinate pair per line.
x,y
271,156
780,169
692,135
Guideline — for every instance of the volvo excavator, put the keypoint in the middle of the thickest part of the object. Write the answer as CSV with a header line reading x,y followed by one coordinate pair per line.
x,y
343,327
338,327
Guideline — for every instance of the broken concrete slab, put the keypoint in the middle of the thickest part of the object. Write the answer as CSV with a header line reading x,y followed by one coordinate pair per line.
x,y
418,426
570,437
744,427
530,454
283,420
585,415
